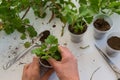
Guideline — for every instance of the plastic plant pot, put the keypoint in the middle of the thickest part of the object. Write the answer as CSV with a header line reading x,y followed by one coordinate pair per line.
x,y
98,34
110,50
44,65
76,38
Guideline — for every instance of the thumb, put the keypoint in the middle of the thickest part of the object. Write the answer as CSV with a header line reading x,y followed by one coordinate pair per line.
x,y
52,61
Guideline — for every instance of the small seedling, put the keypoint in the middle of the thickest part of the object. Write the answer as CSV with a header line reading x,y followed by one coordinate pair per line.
x,y
48,49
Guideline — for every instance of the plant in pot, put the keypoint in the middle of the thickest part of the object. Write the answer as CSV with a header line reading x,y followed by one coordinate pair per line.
x,y
102,21
78,21
56,7
48,49
113,44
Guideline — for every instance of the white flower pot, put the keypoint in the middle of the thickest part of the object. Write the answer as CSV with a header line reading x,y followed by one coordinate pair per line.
x,y
110,51
100,34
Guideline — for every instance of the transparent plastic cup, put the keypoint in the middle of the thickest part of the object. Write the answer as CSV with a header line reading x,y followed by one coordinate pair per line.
x,y
46,66
100,34
110,51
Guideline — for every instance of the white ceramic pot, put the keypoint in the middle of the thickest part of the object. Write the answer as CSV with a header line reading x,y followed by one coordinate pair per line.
x,y
100,34
110,51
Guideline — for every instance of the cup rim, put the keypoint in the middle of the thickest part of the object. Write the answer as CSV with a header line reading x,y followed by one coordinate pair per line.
x,y
103,16
109,36
44,64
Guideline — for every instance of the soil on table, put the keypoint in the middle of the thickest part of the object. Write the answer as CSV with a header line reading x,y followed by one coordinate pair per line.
x,y
44,35
71,29
114,42
101,25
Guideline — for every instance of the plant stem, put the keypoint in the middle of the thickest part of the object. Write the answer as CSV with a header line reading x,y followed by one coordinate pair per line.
x,y
26,12
52,16
62,31
55,4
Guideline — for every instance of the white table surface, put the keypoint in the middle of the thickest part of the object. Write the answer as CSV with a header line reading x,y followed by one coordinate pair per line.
x,y
88,59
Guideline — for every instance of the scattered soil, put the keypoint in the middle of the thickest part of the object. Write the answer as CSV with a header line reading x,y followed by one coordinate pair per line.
x,y
20,63
43,23
54,26
65,44
114,42
71,29
44,35
9,56
16,48
45,62
101,25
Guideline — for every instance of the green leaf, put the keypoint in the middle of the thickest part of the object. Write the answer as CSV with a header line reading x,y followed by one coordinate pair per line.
x,y
31,31
21,29
8,29
51,40
26,21
82,1
48,49
23,36
89,19
27,44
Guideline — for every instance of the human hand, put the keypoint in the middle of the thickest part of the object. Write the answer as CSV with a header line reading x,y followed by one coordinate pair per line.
x,y
66,69
32,71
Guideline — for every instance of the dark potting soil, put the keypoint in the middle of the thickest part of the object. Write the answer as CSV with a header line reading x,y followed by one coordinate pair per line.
x,y
45,62
54,26
71,29
114,42
44,35
101,25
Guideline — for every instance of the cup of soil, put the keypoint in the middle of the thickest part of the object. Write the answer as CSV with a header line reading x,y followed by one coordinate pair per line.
x,y
102,24
113,44
77,37
45,63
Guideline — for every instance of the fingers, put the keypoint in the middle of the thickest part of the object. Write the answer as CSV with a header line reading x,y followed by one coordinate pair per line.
x,y
64,51
36,60
35,64
26,67
52,61
47,74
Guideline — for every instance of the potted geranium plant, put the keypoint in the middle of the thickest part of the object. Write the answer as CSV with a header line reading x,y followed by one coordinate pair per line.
x,y
78,20
102,21
48,49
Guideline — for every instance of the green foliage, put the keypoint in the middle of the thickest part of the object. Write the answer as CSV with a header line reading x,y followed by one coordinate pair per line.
x,y
27,44
39,7
77,17
31,31
23,36
65,10
10,19
48,49
105,6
